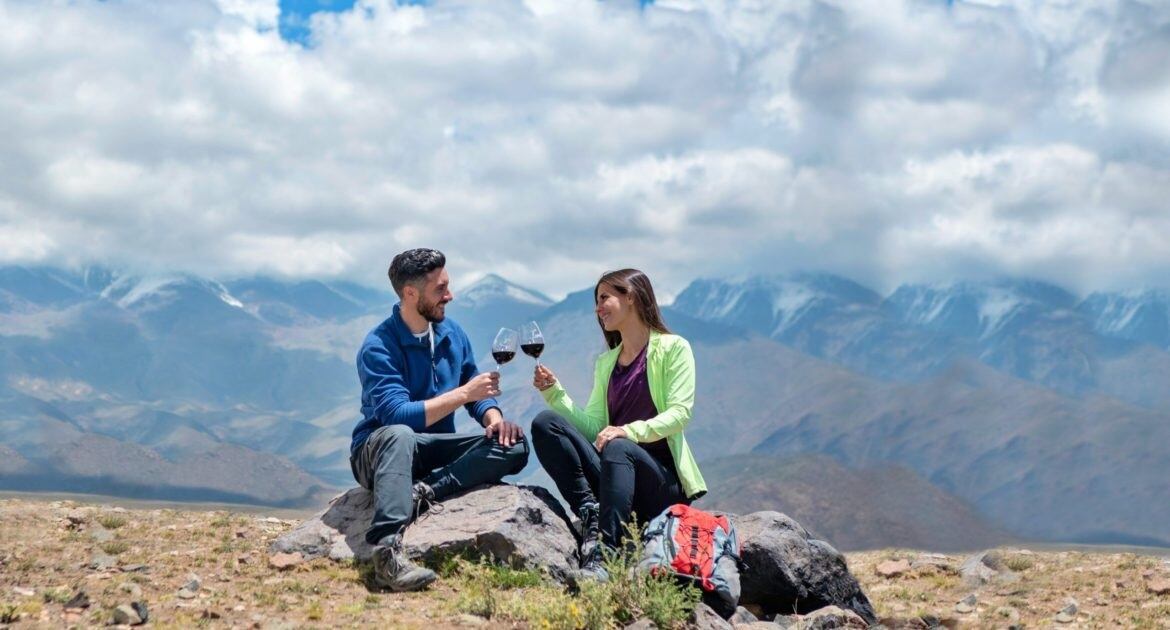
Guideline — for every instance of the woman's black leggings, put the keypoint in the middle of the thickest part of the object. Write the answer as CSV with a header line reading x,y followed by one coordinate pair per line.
x,y
624,479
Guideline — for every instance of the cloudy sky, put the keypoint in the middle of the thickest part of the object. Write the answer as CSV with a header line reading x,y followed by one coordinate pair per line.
x,y
548,140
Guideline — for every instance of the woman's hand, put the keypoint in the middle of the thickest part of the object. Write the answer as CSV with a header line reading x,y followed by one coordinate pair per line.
x,y
543,378
607,434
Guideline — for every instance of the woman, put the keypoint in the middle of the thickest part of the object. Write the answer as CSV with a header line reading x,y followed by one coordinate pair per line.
x,y
624,453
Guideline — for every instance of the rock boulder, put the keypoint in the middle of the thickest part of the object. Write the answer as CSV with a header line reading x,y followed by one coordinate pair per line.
x,y
521,526
788,571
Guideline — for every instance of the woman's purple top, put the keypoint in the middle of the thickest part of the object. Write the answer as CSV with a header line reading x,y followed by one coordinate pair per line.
x,y
629,400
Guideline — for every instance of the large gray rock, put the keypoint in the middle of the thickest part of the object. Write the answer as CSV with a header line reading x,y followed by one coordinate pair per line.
x,y
788,571
521,526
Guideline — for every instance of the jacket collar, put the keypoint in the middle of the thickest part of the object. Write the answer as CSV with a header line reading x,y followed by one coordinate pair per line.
x,y
407,338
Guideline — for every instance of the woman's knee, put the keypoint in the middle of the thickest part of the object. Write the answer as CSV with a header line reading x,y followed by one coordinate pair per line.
x,y
619,450
546,423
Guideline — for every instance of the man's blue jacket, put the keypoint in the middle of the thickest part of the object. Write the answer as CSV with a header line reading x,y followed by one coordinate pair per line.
x,y
398,373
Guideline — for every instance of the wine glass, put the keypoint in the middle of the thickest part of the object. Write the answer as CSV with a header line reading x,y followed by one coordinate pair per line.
x,y
532,341
504,347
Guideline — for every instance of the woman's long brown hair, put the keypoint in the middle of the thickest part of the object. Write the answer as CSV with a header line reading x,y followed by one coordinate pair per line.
x,y
635,283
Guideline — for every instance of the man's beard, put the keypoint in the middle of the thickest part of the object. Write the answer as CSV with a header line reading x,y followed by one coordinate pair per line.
x,y
432,312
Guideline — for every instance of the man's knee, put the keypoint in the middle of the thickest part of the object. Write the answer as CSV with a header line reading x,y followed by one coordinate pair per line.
x,y
517,455
397,438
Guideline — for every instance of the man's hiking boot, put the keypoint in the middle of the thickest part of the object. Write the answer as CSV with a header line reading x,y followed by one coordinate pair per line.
x,y
422,499
591,566
394,571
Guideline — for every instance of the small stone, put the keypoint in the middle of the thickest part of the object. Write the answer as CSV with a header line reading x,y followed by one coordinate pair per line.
x,y
1070,606
1064,617
284,561
1158,587
641,624
241,533
79,601
102,562
193,582
970,600
140,608
209,615
238,608
76,517
23,592
964,608
125,615
101,534
892,568
788,622
186,593
705,618
741,616
834,617
130,588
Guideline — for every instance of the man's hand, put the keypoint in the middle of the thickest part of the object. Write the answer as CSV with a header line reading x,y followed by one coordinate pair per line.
x,y
483,386
507,433
543,378
607,434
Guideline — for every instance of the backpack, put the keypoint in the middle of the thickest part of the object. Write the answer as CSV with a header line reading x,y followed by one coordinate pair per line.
x,y
698,547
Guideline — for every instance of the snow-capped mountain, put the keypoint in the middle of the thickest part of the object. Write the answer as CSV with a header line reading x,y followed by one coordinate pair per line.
x,y
492,303
777,305
1142,316
979,310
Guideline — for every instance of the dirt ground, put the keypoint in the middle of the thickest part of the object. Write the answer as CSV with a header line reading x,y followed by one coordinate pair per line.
x,y
67,563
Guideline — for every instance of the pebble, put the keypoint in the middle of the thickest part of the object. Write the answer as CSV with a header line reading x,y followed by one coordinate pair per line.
x,y
23,592
1064,618
963,608
126,615
130,588
892,568
284,561
472,620
1070,606
79,601
102,562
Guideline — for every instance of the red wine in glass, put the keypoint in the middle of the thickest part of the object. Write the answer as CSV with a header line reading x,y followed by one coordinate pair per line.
x,y
532,340
504,347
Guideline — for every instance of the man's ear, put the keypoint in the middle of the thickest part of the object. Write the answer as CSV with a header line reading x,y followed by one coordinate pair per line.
x,y
409,293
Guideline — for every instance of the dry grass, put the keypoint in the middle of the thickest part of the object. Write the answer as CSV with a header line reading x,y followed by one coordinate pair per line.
x,y
43,559
1109,588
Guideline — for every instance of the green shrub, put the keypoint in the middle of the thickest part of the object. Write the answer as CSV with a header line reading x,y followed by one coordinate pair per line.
x,y
502,593
115,547
111,521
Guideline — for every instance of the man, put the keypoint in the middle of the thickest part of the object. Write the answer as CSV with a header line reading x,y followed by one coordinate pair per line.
x,y
416,368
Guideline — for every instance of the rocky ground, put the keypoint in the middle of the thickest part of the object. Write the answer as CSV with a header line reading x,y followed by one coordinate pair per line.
x,y
73,564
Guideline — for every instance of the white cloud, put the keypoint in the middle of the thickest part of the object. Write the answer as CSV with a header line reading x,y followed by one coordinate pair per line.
x,y
551,140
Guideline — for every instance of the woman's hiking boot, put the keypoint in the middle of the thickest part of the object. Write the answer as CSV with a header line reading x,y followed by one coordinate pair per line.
x,y
591,566
393,570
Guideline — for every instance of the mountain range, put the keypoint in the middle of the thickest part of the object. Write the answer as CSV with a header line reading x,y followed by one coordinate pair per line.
x,y
1029,411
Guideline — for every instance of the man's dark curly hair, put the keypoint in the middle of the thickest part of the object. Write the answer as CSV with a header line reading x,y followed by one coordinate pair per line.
x,y
413,265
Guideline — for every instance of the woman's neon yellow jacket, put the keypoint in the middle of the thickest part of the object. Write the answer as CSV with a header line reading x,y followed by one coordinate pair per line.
x,y
670,371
